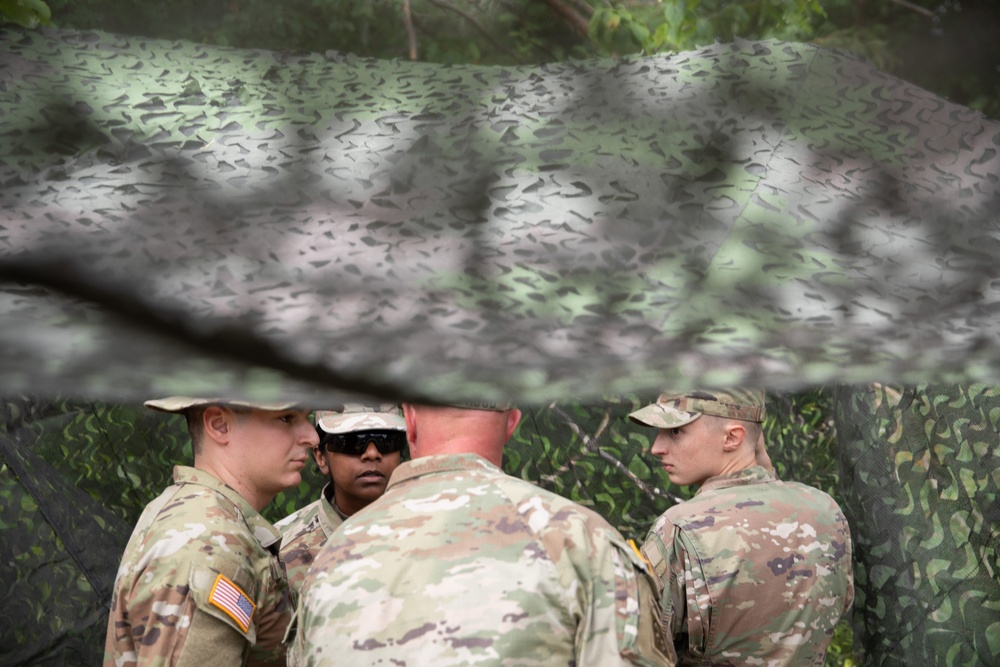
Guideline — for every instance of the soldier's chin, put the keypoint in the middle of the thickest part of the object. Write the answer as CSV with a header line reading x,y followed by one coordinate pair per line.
x,y
677,479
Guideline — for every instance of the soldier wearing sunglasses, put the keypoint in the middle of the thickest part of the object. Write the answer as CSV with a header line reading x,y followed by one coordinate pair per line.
x,y
461,564
359,447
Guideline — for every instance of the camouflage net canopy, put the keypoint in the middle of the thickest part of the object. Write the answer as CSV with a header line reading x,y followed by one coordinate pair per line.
x,y
180,218
238,222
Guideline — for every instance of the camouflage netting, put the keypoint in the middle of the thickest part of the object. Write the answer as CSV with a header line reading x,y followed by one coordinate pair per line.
x,y
920,476
921,486
178,218
240,221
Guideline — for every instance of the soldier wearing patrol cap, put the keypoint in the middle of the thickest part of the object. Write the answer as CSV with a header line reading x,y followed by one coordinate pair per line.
x,y
751,570
200,582
359,448
460,564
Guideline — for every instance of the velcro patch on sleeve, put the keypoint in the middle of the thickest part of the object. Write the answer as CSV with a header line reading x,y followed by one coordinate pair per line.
x,y
231,599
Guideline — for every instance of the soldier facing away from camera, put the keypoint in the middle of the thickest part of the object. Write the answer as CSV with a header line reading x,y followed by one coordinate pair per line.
x,y
461,564
359,448
751,570
200,582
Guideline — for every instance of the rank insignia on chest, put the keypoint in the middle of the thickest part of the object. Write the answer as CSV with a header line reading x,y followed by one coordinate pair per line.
x,y
231,599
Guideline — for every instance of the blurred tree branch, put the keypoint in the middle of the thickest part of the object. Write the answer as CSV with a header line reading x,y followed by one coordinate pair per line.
x,y
411,34
443,4
577,21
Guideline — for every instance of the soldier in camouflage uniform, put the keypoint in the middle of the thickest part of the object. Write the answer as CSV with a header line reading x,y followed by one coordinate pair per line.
x,y
359,447
461,564
752,570
200,582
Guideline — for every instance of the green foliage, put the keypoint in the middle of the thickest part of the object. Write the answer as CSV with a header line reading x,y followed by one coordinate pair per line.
x,y
491,33
679,25
802,438
947,47
942,45
840,653
27,13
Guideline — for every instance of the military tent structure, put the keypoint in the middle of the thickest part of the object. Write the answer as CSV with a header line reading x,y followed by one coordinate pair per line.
x,y
183,218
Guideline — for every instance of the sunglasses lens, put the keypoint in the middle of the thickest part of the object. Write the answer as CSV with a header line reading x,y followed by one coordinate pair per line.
x,y
355,444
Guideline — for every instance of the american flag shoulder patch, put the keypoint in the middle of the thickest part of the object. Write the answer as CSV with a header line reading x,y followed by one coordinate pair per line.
x,y
231,599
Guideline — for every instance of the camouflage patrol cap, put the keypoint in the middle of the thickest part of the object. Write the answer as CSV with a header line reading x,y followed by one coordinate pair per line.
x,y
495,406
181,403
360,417
673,409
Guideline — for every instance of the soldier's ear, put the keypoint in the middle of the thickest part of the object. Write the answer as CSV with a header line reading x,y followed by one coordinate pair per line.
x,y
410,415
513,419
217,423
735,435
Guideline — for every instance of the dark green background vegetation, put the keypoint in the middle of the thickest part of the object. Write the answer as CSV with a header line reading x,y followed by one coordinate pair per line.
x,y
949,47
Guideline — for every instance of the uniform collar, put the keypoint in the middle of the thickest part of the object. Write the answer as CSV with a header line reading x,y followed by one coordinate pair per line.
x,y
330,515
745,477
427,465
262,529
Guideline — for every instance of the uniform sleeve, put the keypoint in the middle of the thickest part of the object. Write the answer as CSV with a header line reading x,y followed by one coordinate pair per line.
x,y
211,642
274,614
170,627
623,610
298,551
257,610
668,575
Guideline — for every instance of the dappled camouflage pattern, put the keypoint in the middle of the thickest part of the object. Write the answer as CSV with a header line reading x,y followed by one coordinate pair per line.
x,y
753,571
756,213
673,409
304,532
459,564
920,471
161,612
361,417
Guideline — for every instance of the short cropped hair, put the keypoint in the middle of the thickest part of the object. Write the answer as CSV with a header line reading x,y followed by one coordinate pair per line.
x,y
753,429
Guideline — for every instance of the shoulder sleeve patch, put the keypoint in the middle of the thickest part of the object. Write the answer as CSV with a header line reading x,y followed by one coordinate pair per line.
x,y
231,599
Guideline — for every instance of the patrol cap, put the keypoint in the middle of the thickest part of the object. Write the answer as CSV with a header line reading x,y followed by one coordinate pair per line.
x,y
673,409
182,403
361,417
495,406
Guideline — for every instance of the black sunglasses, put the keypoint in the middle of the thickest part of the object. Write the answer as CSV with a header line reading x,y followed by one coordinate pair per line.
x,y
355,444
